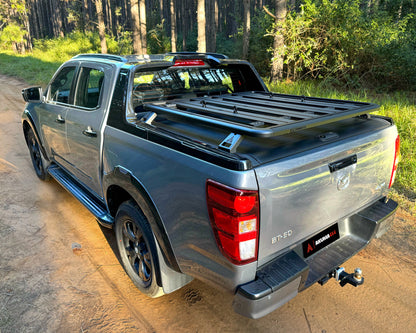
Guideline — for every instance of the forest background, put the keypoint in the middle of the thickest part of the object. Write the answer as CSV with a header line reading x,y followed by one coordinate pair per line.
x,y
347,49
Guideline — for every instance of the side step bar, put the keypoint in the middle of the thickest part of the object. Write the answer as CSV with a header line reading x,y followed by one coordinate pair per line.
x,y
96,207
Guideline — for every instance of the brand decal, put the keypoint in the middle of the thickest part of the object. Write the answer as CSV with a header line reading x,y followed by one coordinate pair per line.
x,y
282,236
321,240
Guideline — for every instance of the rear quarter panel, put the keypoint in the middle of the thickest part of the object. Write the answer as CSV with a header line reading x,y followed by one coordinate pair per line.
x,y
176,183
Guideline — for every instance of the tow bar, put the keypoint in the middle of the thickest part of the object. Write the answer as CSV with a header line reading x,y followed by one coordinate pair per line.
x,y
356,279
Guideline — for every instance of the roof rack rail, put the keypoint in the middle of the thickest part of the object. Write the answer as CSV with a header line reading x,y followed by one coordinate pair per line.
x,y
101,56
262,114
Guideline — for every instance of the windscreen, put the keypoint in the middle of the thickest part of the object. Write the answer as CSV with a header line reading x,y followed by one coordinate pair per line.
x,y
184,82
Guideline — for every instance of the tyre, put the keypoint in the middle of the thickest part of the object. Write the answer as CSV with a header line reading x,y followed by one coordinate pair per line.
x,y
137,248
36,155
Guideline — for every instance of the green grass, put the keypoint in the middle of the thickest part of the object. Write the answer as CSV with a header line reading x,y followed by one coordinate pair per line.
x,y
400,106
29,68
38,66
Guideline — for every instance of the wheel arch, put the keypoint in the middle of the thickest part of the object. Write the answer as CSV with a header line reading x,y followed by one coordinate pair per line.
x,y
28,123
119,186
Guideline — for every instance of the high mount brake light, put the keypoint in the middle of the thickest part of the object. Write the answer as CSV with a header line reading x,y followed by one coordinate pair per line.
x,y
395,161
234,216
189,62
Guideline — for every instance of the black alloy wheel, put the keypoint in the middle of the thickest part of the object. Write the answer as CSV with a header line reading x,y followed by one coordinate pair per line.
x,y
137,252
36,155
137,248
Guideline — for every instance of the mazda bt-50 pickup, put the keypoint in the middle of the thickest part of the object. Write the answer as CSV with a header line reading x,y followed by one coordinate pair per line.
x,y
204,173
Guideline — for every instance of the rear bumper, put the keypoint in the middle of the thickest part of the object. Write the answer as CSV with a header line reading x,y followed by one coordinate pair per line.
x,y
279,281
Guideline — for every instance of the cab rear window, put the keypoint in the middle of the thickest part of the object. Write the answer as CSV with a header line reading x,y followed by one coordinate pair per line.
x,y
181,82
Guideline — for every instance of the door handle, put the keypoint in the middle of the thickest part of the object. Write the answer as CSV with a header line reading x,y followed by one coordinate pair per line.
x,y
60,119
89,132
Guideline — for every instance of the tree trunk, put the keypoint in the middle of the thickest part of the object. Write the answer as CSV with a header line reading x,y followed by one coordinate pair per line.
x,y
191,14
85,15
143,28
246,28
58,19
216,17
33,19
161,10
211,28
202,42
90,12
137,40
184,20
101,25
109,16
126,18
221,15
39,18
278,42
173,25
231,27
49,19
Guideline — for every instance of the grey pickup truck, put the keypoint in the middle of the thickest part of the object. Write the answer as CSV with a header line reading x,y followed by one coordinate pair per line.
x,y
203,173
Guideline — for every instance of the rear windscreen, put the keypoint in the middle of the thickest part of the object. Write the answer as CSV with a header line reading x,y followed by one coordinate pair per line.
x,y
181,82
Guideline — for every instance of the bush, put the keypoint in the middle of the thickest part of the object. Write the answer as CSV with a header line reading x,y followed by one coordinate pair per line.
x,y
157,41
64,48
338,41
12,36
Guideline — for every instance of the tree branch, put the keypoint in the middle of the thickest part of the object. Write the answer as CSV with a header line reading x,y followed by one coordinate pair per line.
x,y
269,12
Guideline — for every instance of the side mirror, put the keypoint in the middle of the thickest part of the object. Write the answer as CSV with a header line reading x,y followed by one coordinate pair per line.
x,y
33,94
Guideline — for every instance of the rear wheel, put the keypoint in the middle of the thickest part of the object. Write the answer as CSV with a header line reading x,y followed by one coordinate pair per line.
x,y
36,155
137,248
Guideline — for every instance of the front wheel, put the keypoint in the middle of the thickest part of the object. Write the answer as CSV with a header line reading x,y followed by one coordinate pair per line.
x,y
137,248
36,155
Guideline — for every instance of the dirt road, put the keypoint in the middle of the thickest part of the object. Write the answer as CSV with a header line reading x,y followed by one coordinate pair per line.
x,y
46,286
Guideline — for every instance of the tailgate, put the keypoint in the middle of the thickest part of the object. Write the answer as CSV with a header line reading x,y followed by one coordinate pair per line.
x,y
307,192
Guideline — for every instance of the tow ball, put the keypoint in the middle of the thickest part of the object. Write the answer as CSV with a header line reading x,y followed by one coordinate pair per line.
x,y
356,279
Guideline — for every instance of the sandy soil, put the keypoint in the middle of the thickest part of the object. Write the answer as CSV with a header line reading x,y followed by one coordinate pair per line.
x,y
46,284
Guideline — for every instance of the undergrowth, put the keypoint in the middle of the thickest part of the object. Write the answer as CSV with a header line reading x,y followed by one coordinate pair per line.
x,y
38,66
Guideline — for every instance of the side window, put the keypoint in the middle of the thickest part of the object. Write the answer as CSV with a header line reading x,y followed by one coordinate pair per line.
x,y
89,87
60,88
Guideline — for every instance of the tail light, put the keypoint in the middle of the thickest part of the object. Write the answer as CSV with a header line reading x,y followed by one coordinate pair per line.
x,y
395,161
234,216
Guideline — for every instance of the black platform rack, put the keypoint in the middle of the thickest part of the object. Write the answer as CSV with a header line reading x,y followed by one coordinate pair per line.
x,y
262,114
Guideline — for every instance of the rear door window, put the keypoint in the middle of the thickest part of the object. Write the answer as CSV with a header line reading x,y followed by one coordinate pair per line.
x,y
89,88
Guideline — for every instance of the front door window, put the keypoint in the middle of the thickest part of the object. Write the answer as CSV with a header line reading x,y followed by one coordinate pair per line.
x,y
61,87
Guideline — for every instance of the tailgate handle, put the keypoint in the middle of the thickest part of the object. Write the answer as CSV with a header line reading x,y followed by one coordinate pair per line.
x,y
341,164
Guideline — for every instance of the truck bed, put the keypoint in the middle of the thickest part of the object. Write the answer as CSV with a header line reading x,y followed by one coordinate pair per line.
x,y
294,123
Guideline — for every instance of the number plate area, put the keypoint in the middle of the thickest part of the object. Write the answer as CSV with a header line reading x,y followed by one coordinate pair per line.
x,y
319,241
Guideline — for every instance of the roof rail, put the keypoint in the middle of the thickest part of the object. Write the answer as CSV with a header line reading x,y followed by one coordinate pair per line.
x,y
101,56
